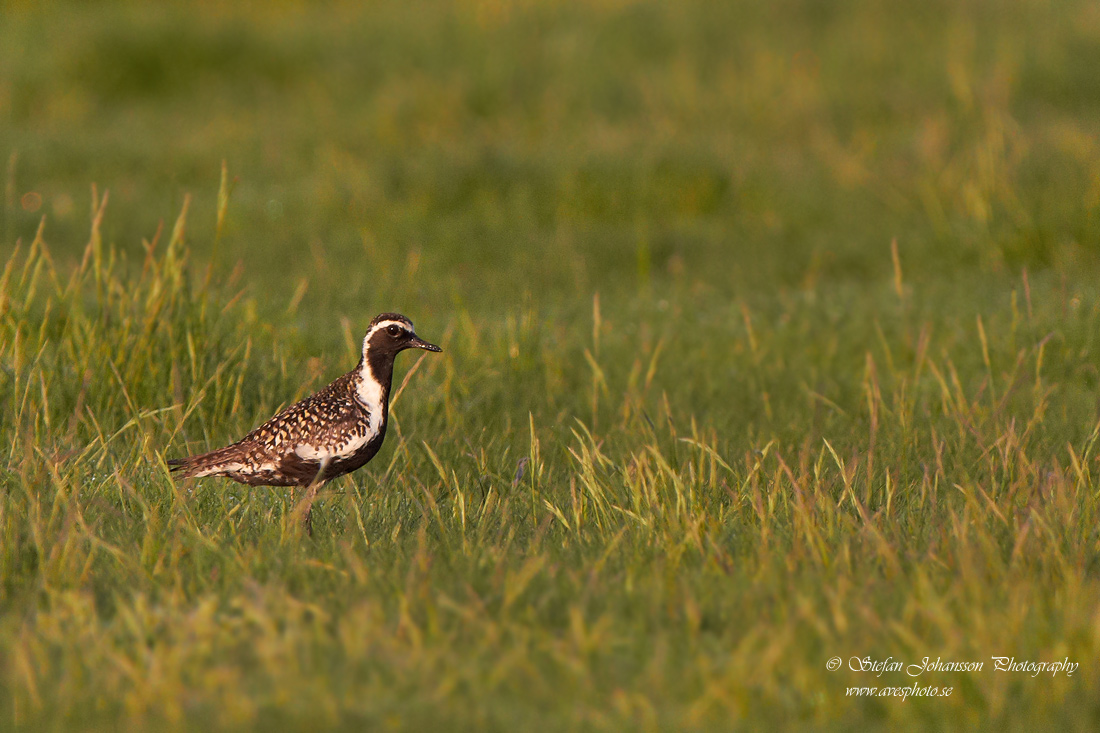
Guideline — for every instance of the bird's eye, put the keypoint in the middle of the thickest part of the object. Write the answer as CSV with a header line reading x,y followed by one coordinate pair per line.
x,y
395,331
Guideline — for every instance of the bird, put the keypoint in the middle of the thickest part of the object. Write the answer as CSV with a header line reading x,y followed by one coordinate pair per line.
x,y
334,431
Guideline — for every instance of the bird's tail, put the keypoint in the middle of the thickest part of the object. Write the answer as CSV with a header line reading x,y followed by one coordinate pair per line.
x,y
214,463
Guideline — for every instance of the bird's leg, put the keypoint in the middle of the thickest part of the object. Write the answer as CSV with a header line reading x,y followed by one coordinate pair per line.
x,y
306,504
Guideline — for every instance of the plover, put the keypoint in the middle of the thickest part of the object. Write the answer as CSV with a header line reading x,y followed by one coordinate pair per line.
x,y
332,432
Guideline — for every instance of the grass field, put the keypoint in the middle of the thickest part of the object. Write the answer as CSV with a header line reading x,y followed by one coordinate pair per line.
x,y
771,333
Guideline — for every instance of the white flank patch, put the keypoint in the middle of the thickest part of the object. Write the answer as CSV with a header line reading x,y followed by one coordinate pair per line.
x,y
313,453
310,453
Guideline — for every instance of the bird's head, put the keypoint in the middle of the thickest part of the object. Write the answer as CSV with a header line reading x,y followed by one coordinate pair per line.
x,y
390,333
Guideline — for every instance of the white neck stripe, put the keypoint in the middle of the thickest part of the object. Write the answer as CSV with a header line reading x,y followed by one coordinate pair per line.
x,y
369,391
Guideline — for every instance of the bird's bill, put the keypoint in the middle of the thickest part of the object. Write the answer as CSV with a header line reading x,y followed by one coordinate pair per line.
x,y
418,343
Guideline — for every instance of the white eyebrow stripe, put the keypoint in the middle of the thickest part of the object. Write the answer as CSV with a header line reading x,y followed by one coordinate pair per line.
x,y
386,324
405,326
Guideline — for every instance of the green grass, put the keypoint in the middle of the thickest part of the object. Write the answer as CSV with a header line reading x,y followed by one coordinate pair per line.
x,y
771,334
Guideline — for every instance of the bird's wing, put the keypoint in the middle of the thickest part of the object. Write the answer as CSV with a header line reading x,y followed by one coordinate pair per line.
x,y
326,424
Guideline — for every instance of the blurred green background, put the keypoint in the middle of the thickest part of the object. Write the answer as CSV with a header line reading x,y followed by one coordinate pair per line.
x,y
771,332
418,154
